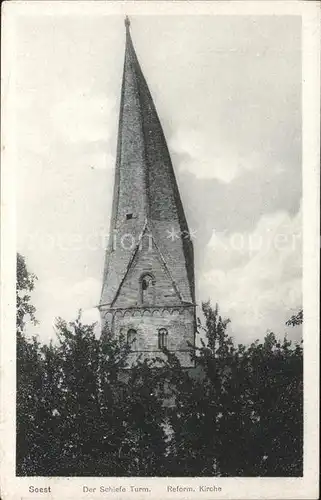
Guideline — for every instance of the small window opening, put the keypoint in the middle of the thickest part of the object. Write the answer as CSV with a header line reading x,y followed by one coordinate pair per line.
x,y
162,338
129,216
147,289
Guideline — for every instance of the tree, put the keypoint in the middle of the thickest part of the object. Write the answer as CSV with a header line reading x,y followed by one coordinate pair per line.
x,y
25,285
276,382
28,403
77,411
243,416
143,447
81,411
29,376
296,319
98,418
227,410
196,443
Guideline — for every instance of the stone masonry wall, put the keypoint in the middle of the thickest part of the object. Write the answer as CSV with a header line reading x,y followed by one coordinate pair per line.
x,y
179,322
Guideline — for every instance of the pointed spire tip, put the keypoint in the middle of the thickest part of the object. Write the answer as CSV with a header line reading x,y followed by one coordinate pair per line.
x,y
127,22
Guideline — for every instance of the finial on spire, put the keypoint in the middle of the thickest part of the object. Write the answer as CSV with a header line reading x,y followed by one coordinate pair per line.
x,y
127,22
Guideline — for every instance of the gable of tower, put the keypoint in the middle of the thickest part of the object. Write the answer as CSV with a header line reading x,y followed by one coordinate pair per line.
x,y
147,280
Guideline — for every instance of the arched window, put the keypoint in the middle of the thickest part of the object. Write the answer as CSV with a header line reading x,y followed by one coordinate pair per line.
x,y
147,289
131,339
162,338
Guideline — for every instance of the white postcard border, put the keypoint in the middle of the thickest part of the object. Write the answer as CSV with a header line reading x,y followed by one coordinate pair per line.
x,y
268,488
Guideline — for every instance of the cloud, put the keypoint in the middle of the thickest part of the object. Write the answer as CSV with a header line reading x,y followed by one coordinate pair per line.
x,y
234,122
207,158
65,301
90,316
102,161
84,117
256,276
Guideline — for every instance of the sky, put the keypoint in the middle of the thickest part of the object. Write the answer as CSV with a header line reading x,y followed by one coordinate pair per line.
x,y
228,93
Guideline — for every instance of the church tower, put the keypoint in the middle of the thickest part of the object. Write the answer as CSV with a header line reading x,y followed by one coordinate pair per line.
x,y
148,284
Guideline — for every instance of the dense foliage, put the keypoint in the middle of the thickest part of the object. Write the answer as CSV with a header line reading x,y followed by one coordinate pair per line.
x,y
80,412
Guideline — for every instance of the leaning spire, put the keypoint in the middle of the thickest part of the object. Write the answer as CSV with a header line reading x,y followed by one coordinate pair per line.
x,y
145,187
